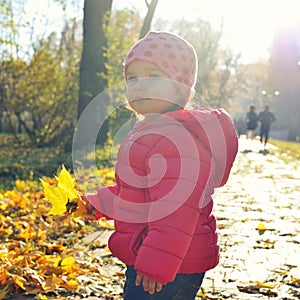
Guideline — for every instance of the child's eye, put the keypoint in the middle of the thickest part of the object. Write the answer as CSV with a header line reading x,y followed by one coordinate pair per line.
x,y
132,79
154,77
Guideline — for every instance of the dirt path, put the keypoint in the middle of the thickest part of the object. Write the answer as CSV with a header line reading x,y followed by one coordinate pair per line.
x,y
264,189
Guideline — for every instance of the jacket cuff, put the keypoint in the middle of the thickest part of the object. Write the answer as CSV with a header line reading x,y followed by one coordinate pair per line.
x,y
103,201
163,262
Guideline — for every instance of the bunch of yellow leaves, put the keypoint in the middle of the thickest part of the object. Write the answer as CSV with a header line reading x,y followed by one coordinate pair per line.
x,y
64,197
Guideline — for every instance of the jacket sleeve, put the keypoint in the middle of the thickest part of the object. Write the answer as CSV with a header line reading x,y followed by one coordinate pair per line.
x,y
173,215
103,201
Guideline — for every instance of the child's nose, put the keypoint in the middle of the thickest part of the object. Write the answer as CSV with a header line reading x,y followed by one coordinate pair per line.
x,y
140,84
137,89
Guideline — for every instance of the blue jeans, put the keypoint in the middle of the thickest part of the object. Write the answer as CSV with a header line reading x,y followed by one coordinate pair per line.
x,y
184,287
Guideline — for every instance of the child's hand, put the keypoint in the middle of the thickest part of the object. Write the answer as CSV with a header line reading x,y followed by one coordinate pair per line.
x,y
149,284
90,212
84,209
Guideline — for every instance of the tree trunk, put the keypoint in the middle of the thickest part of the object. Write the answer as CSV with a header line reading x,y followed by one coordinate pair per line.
x,y
91,83
148,19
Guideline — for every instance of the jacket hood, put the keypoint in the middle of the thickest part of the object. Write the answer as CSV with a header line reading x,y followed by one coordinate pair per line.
x,y
215,129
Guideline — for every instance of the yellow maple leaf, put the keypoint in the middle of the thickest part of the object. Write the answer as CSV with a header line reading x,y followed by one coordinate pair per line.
x,y
64,197
261,226
64,262
67,183
265,285
57,197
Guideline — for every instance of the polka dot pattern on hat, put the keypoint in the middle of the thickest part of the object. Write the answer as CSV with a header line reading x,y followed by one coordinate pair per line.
x,y
171,53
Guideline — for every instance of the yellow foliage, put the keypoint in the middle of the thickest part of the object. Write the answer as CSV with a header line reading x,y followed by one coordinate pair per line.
x,y
37,251
28,233
105,224
67,184
110,175
68,261
57,197
265,285
261,226
64,197
60,195
19,280
295,281
41,297
72,283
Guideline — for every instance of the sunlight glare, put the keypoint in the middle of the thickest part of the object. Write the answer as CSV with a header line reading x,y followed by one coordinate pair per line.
x,y
248,26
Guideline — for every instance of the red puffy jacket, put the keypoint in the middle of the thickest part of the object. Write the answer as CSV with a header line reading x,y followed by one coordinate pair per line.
x,y
167,169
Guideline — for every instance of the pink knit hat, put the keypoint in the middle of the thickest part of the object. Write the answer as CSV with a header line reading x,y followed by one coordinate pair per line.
x,y
171,53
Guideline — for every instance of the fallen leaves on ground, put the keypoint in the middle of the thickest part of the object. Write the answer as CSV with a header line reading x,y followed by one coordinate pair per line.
x,y
259,287
261,226
39,253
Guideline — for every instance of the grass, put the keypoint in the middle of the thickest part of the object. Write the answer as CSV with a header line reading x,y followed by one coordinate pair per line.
x,y
290,148
25,162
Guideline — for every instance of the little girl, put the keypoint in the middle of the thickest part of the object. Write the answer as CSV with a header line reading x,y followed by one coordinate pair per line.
x,y
167,169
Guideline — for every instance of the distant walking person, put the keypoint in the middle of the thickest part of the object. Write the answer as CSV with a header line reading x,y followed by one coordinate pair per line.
x,y
265,117
251,121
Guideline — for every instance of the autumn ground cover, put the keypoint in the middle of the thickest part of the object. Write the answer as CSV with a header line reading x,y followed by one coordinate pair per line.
x,y
40,254
60,257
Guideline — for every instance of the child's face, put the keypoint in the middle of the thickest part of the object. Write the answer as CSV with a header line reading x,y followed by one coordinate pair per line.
x,y
149,89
